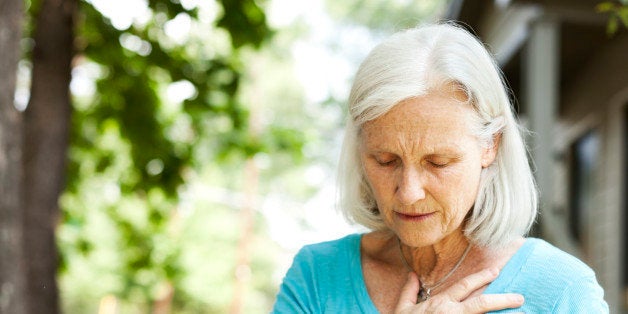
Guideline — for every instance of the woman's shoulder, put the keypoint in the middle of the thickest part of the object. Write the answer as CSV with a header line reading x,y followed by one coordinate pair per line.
x,y
330,248
317,256
550,278
326,260
547,260
324,277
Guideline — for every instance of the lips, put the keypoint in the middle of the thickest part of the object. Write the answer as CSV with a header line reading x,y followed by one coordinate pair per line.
x,y
414,217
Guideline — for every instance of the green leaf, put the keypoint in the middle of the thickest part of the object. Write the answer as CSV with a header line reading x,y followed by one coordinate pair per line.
x,y
606,6
611,27
623,15
245,21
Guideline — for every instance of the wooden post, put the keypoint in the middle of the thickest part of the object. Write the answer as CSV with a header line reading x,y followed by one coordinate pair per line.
x,y
12,273
541,92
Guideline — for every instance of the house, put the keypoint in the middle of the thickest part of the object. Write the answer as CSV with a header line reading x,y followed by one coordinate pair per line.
x,y
570,82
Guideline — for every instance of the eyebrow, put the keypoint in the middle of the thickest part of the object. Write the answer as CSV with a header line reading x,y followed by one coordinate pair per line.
x,y
437,148
438,151
446,155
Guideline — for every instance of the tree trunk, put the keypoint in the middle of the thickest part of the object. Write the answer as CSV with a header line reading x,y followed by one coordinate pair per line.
x,y
46,132
12,277
243,250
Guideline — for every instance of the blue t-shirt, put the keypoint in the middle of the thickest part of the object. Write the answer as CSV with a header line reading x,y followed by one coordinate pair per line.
x,y
327,278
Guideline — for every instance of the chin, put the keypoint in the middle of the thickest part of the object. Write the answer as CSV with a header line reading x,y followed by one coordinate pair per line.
x,y
418,239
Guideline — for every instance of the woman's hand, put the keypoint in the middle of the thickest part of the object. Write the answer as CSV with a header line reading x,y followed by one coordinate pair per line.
x,y
456,298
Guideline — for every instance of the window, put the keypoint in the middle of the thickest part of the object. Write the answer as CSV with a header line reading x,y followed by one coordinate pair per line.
x,y
584,157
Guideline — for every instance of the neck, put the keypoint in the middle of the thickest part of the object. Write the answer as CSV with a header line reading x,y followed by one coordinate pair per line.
x,y
432,263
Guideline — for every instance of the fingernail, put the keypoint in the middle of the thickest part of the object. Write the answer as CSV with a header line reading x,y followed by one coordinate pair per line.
x,y
519,298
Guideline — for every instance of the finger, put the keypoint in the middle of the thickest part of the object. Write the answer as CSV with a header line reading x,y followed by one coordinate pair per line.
x,y
409,292
460,290
492,302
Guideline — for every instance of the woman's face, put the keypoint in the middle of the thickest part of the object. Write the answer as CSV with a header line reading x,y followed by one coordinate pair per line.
x,y
423,165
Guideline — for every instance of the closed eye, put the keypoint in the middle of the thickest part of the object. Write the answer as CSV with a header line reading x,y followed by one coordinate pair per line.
x,y
438,164
386,163
385,159
441,160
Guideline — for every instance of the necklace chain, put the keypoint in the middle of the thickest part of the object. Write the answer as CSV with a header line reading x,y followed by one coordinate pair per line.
x,y
424,291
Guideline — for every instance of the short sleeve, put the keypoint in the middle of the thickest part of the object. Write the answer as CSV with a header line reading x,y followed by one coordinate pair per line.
x,y
582,296
296,291
325,277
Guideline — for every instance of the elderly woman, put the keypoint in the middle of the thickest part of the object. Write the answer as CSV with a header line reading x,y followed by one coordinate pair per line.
x,y
435,165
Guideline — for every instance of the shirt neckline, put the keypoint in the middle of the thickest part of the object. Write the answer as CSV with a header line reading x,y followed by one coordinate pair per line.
x,y
498,285
359,285
512,268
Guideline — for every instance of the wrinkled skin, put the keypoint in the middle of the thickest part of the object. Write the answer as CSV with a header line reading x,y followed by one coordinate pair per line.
x,y
423,164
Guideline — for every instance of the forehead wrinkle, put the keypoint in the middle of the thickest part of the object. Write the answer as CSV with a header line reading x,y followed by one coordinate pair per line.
x,y
380,139
426,124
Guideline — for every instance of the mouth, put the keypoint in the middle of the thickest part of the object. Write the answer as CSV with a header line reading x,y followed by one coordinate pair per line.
x,y
414,217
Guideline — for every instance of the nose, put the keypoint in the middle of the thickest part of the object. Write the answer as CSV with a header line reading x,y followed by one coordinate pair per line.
x,y
410,187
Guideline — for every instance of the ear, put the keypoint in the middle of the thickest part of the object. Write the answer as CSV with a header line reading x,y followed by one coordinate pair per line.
x,y
489,153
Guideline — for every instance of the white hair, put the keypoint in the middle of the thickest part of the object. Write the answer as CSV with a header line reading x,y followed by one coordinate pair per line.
x,y
411,64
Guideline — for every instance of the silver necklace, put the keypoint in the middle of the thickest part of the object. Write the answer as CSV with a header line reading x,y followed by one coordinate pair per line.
x,y
424,290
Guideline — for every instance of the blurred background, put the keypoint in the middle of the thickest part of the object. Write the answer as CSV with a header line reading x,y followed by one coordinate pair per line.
x,y
171,156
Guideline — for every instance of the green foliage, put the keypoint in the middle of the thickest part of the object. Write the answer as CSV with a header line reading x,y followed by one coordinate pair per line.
x,y
154,184
384,15
245,21
618,14
126,231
